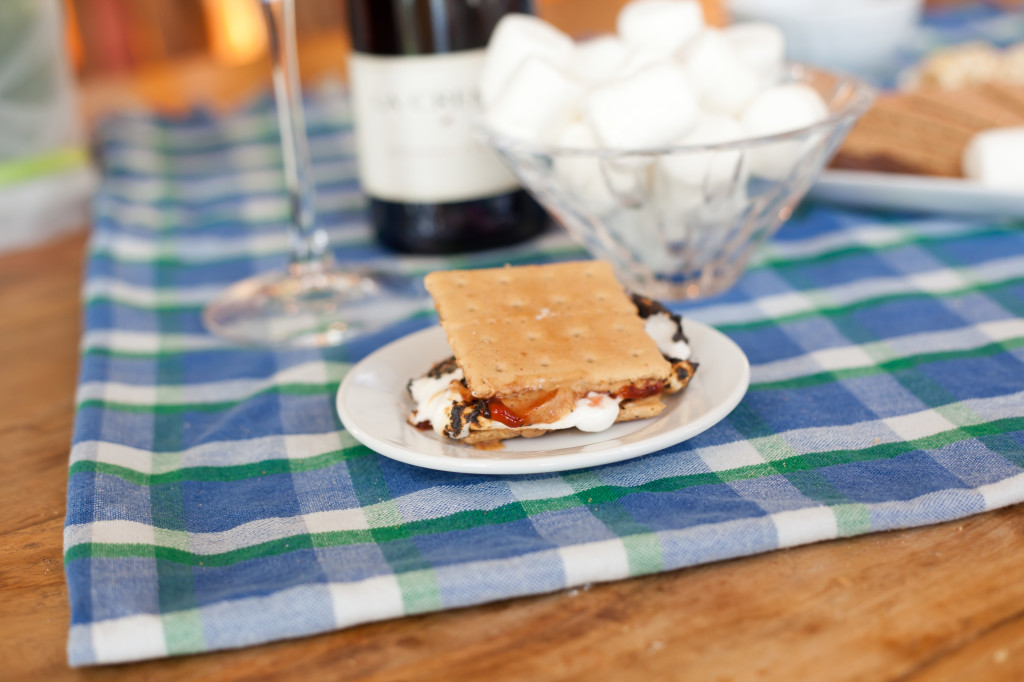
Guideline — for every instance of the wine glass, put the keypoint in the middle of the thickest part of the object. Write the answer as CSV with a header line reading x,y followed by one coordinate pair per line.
x,y
311,303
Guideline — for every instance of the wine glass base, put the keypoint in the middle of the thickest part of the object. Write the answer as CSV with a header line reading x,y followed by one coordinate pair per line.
x,y
311,307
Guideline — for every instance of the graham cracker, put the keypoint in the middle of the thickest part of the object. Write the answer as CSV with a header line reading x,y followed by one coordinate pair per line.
x,y
926,132
873,150
1010,96
973,108
540,327
467,296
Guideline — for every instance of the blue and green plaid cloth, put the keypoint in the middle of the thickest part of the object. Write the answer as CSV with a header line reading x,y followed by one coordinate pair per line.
x,y
215,501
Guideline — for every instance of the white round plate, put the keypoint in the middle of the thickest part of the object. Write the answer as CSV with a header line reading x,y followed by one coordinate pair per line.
x,y
902,192
373,405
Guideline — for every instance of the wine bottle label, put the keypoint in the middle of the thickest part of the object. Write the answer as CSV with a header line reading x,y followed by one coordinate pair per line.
x,y
414,135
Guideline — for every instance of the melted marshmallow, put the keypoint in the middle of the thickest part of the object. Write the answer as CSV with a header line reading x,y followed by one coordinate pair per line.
x,y
434,398
593,412
661,327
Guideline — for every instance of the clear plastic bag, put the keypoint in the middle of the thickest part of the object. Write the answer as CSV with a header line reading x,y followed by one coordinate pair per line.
x,y
45,179
37,110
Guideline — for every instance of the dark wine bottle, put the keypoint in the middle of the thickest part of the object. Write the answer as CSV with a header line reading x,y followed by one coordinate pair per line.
x,y
433,187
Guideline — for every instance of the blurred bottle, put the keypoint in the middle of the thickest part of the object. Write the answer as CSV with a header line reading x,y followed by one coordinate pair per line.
x,y
432,186
45,179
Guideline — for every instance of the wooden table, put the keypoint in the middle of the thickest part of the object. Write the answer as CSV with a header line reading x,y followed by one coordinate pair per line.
x,y
939,603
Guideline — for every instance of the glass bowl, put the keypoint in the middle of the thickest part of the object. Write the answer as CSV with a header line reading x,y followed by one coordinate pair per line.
x,y
682,221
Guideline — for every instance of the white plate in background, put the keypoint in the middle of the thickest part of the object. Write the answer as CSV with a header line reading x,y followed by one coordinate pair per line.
x,y
917,193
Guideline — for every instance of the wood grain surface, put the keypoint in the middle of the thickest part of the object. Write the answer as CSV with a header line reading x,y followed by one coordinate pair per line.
x,y
938,603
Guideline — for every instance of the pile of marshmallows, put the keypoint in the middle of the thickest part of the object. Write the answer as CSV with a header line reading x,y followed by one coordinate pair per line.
x,y
665,79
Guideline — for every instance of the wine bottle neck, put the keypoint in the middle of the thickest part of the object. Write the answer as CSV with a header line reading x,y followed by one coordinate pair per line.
x,y
408,27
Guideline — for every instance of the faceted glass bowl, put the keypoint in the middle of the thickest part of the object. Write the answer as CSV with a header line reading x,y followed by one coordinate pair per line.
x,y
682,221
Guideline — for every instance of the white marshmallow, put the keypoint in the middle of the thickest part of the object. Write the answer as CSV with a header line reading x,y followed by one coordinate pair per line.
x,y
777,110
515,38
695,222
599,59
662,26
761,46
638,59
709,170
581,173
538,102
678,204
723,82
723,210
712,129
649,109
996,158
640,236
577,135
782,108
630,179
703,190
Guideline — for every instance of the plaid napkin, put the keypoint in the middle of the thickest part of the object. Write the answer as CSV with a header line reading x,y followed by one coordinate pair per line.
x,y
215,501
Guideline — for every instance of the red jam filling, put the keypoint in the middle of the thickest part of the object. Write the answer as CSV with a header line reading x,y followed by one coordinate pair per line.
x,y
500,413
635,392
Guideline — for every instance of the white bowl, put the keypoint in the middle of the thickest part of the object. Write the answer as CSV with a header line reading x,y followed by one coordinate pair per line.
x,y
852,36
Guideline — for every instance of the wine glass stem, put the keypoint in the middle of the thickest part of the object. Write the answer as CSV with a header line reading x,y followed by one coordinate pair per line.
x,y
309,244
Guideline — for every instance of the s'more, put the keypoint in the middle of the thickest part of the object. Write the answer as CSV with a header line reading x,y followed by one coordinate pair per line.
x,y
540,348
